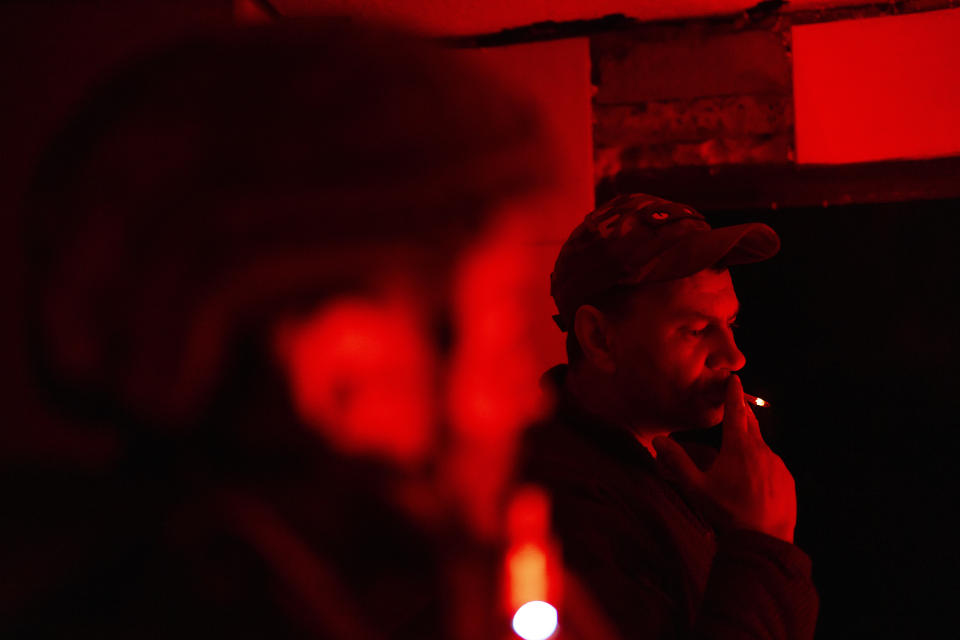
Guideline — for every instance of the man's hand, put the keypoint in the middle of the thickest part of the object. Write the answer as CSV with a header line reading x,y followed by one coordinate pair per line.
x,y
747,486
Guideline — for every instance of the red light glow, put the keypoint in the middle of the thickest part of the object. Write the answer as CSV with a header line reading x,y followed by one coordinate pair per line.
x,y
357,365
492,378
488,399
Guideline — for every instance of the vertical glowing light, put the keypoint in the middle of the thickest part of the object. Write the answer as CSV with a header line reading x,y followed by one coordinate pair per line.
x,y
528,572
536,620
532,565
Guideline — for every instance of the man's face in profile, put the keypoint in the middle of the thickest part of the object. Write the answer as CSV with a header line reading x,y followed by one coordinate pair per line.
x,y
674,350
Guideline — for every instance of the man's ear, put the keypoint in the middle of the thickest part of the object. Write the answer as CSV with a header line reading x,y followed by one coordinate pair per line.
x,y
593,332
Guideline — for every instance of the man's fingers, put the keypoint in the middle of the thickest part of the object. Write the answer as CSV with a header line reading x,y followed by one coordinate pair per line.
x,y
676,464
734,412
753,426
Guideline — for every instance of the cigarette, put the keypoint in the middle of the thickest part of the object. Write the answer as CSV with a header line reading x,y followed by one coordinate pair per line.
x,y
754,400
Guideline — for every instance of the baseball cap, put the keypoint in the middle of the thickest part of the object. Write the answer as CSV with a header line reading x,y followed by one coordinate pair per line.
x,y
639,238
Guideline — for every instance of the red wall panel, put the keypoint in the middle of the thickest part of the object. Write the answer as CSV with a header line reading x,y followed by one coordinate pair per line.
x,y
878,89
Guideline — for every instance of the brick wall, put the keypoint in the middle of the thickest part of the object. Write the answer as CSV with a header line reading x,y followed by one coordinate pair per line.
x,y
685,98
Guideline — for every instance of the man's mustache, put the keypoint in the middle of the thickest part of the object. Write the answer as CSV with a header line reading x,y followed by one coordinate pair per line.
x,y
713,387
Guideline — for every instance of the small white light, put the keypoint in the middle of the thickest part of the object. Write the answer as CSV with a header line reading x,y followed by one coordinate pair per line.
x,y
754,400
536,620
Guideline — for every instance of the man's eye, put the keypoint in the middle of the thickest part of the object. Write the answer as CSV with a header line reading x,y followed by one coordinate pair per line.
x,y
690,331
734,325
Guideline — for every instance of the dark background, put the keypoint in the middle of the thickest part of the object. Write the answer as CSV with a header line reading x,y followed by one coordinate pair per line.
x,y
851,333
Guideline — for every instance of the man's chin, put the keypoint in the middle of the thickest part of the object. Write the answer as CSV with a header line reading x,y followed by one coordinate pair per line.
x,y
709,417
707,407
702,419
715,415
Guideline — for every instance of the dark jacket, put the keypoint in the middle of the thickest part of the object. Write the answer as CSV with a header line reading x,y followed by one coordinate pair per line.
x,y
655,566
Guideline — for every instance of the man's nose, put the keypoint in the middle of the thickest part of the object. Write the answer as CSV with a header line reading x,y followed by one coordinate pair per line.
x,y
726,355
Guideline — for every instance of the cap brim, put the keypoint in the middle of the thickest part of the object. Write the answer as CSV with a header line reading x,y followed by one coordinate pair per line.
x,y
724,247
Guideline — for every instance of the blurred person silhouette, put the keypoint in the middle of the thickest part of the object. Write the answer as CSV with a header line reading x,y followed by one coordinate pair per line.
x,y
242,252
673,540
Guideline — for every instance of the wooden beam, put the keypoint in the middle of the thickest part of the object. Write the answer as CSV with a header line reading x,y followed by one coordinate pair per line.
x,y
765,15
789,185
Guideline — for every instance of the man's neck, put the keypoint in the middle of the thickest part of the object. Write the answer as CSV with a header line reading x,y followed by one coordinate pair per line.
x,y
599,398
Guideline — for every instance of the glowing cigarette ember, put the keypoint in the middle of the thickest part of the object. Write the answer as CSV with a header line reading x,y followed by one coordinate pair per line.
x,y
754,400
